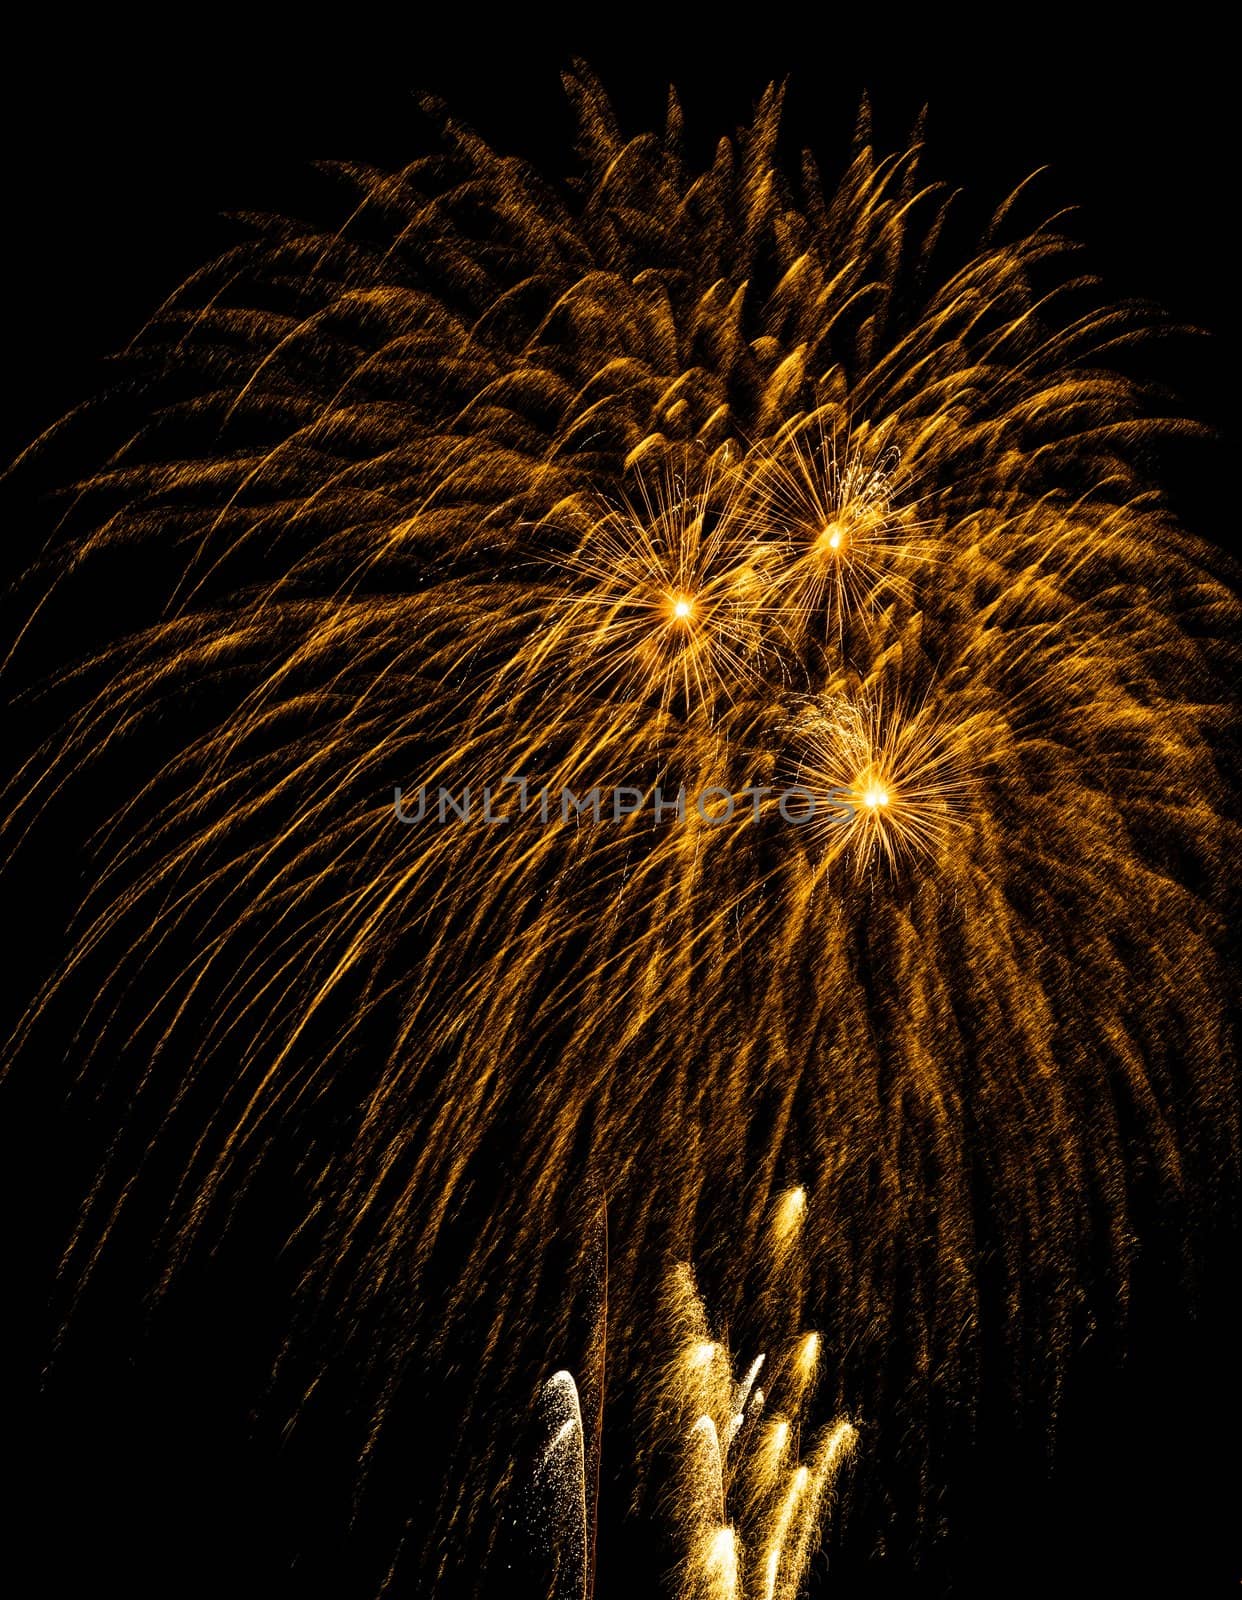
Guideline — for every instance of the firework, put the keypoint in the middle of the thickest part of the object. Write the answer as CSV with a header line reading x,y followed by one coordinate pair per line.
x,y
851,538
661,478
904,781
562,1477
747,1513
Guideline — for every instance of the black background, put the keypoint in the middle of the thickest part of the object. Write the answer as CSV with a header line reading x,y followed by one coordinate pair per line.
x,y
125,147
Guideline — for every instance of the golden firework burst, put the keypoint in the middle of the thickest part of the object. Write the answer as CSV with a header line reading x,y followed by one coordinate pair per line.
x,y
850,538
663,598
504,488
892,783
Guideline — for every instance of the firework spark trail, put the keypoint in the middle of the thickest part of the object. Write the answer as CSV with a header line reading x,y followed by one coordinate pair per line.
x,y
441,503
746,1514
751,1513
563,1467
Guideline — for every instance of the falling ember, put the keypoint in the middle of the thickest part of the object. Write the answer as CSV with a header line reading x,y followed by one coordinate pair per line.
x,y
794,1556
778,1437
744,1388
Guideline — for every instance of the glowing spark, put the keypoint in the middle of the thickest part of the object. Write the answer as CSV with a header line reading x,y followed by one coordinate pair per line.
x,y
790,1213
721,1565
851,544
562,1469
742,1392
663,607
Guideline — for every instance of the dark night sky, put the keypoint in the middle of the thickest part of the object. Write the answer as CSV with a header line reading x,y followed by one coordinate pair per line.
x,y
125,147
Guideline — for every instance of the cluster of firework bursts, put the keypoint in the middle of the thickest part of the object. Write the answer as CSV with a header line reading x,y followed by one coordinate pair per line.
x,y
745,1496
734,580
662,477
723,590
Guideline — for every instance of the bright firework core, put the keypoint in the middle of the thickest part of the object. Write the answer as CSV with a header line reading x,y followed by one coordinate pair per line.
x,y
683,608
